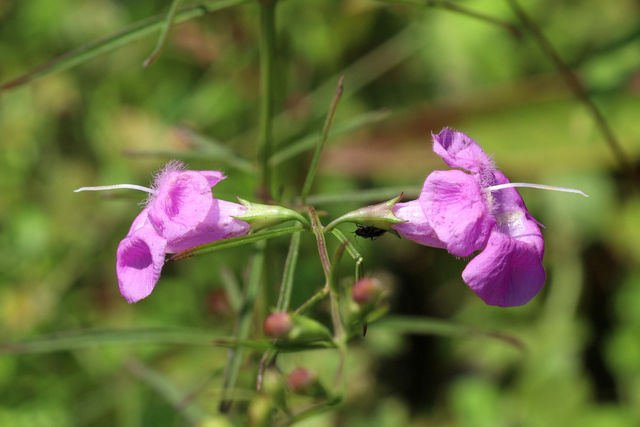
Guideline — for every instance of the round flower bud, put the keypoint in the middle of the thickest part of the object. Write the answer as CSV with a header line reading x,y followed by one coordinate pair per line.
x,y
277,325
366,290
304,382
300,379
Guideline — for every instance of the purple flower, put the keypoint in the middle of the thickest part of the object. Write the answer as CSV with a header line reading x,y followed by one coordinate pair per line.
x,y
463,213
181,213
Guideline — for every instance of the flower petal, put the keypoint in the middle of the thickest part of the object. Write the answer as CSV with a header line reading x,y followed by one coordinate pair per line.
x,y
212,177
513,218
218,224
507,273
456,209
140,258
460,151
417,226
181,204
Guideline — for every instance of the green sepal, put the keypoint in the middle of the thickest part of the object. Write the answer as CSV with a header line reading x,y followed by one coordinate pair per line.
x,y
379,216
306,330
261,216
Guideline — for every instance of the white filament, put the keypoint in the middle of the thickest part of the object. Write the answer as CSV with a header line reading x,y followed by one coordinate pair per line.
x,y
115,187
539,186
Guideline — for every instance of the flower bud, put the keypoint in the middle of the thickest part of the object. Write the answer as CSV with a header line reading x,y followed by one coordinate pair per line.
x,y
304,382
366,291
295,328
277,325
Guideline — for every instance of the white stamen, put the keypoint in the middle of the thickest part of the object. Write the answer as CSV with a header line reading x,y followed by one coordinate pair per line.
x,y
538,186
115,187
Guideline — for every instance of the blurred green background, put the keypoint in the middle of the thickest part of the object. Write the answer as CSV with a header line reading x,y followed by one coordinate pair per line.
x,y
110,121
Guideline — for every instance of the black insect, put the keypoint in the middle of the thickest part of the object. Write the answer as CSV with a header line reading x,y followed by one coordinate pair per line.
x,y
368,232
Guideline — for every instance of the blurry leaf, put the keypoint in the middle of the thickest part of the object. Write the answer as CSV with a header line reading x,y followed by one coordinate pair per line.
x,y
164,36
168,390
426,326
512,28
126,35
90,338
203,148
281,346
310,141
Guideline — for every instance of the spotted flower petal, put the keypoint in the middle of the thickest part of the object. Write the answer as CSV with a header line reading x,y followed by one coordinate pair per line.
x,y
182,202
460,151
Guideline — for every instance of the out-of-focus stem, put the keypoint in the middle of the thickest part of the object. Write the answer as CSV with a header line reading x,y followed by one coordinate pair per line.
x,y
574,84
267,64
243,324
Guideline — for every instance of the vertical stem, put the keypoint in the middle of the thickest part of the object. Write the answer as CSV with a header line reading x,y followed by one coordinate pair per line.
x,y
265,141
313,167
290,265
243,324
267,64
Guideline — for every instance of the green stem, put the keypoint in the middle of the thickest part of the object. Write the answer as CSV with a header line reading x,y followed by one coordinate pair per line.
x,y
289,269
313,167
352,251
267,64
458,9
164,35
574,85
243,325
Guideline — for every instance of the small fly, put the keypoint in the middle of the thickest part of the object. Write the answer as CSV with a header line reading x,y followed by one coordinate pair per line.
x,y
368,232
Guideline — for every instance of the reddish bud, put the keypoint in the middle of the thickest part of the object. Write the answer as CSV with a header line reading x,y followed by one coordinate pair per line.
x,y
304,382
277,325
300,379
366,290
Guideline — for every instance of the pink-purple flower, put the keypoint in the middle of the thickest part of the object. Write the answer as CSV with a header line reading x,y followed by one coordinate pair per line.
x,y
181,213
465,212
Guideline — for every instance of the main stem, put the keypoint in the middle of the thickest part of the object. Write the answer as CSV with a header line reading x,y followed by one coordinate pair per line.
x,y
267,64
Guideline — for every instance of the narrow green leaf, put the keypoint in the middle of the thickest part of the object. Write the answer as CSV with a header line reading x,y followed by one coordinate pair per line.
x,y
362,196
427,326
73,340
310,141
313,167
233,242
281,346
164,35
113,41
512,28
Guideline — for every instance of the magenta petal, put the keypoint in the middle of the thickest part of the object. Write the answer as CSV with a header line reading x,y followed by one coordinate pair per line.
x,y
460,151
416,227
212,177
507,273
181,204
456,209
140,257
217,225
